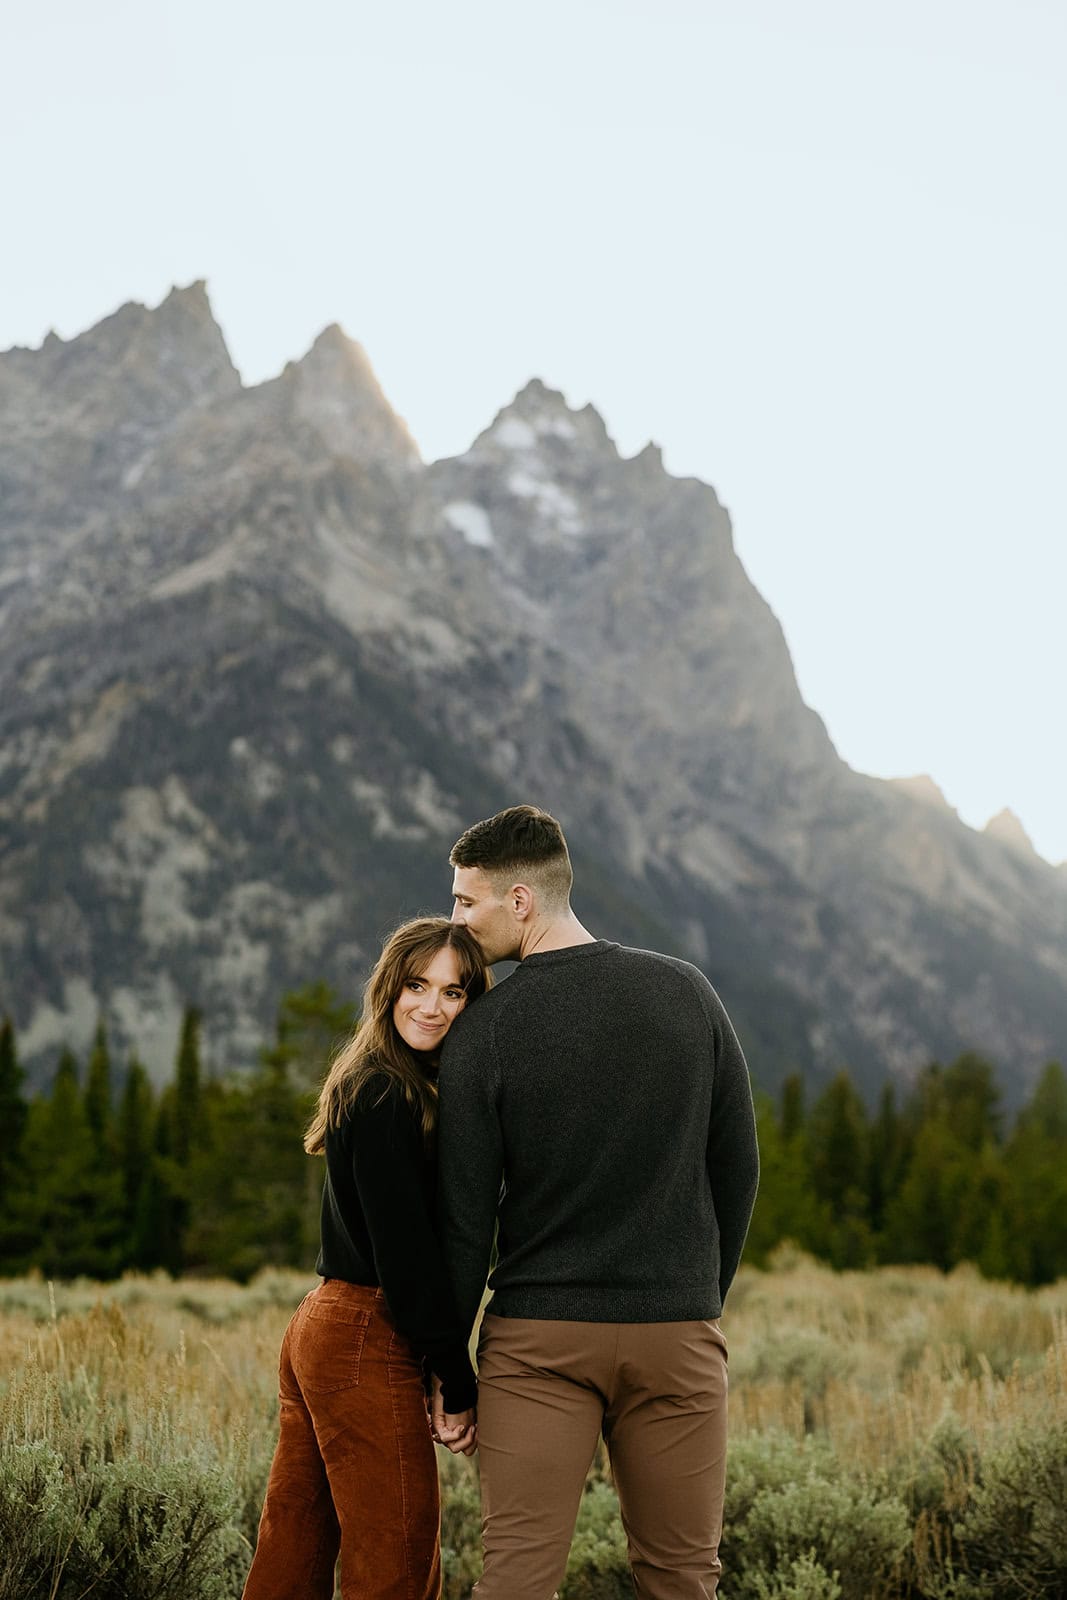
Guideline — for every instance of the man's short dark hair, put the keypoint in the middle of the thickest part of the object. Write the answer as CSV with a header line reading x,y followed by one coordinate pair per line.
x,y
520,843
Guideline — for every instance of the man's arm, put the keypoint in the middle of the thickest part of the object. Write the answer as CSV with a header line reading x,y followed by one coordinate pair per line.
x,y
732,1154
471,1162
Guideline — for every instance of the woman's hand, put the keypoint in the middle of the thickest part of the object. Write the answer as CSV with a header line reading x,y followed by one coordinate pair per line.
x,y
456,1430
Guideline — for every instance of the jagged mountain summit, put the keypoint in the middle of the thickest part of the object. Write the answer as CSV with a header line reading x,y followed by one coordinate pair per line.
x,y
259,665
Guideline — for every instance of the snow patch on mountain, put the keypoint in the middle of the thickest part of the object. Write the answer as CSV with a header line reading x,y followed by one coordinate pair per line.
x,y
471,521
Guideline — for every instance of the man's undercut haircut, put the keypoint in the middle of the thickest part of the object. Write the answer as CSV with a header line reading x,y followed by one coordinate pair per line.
x,y
522,844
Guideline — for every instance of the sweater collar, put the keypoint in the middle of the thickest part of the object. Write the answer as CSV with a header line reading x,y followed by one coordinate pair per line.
x,y
569,952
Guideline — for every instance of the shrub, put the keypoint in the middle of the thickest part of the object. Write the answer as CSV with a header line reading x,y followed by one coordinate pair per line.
x,y
793,1512
461,1525
806,1579
809,1358
118,1529
598,1567
160,1531
1011,1540
35,1519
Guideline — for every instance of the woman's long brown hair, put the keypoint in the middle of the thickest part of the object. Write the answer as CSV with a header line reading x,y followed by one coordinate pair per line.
x,y
375,1048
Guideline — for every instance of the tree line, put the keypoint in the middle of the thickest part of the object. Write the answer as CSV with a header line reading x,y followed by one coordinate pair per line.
x,y
939,1177
104,1174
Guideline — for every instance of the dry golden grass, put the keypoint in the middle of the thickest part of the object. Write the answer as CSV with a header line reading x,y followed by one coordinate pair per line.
x,y
876,1359
876,1364
148,1368
873,1360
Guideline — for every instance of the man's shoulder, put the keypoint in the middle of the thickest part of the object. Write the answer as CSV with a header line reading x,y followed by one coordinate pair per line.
x,y
684,978
473,1026
656,961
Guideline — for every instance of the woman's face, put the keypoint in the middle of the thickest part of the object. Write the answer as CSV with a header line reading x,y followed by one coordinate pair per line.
x,y
429,1002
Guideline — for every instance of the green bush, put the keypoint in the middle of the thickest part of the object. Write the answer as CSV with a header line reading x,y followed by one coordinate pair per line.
x,y
36,1518
117,1529
806,1579
461,1525
804,1356
165,1531
1011,1539
598,1567
794,1515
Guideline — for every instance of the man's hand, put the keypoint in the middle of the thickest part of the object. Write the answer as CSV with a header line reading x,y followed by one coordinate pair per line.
x,y
456,1430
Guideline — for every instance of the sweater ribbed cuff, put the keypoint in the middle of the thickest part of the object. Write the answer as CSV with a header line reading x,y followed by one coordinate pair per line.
x,y
459,1387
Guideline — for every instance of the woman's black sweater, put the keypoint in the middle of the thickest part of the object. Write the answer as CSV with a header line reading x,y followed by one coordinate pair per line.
x,y
379,1227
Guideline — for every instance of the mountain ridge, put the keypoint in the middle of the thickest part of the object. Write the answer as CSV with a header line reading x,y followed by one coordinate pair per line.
x,y
262,681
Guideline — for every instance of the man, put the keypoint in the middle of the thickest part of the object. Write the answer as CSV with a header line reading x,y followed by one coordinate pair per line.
x,y
595,1108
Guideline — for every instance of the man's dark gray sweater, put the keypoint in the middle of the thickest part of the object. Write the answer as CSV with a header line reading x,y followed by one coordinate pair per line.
x,y
598,1102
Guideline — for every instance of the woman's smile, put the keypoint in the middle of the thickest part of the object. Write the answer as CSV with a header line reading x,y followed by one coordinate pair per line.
x,y
429,1001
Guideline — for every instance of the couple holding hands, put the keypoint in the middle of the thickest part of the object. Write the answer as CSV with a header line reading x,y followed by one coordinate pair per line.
x,y
592,1117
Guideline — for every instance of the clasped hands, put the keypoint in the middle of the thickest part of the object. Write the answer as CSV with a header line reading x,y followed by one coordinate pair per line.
x,y
456,1430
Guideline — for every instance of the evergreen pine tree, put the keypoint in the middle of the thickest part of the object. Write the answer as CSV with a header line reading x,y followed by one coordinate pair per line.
x,y
13,1116
134,1138
71,1222
312,1022
972,1101
13,1107
1036,1166
165,1205
792,1106
249,1183
837,1143
1046,1110
786,1207
255,1195
885,1157
185,1117
98,1095
920,1218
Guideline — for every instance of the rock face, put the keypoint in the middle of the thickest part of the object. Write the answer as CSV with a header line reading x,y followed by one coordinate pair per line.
x,y
1006,826
259,666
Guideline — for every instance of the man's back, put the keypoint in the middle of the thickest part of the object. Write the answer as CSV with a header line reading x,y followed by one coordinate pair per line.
x,y
606,1089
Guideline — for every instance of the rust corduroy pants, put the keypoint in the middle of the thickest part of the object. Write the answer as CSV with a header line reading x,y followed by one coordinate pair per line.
x,y
354,1472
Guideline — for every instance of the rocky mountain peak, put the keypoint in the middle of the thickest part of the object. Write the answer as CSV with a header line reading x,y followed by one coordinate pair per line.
x,y
134,369
539,422
923,788
171,355
80,417
257,667
650,456
1006,827
336,391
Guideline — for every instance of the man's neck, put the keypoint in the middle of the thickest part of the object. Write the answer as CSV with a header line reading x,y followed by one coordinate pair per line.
x,y
555,933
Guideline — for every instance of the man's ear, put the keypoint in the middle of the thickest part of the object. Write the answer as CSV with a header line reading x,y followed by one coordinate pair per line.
x,y
521,901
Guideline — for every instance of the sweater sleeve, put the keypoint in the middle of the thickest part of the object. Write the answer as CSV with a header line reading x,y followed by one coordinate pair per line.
x,y
732,1152
471,1162
388,1168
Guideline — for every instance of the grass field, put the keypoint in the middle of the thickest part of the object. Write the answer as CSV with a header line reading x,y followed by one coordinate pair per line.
x,y
894,1433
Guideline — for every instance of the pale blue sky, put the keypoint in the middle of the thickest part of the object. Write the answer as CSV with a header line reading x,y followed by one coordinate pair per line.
x,y
816,252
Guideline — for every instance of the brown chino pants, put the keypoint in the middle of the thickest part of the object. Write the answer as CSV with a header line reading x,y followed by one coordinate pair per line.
x,y
657,1393
355,1471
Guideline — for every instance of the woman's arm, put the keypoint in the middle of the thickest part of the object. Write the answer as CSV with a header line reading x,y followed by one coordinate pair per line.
x,y
388,1164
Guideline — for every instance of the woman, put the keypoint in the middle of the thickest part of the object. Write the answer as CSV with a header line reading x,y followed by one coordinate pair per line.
x,y
354,1471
